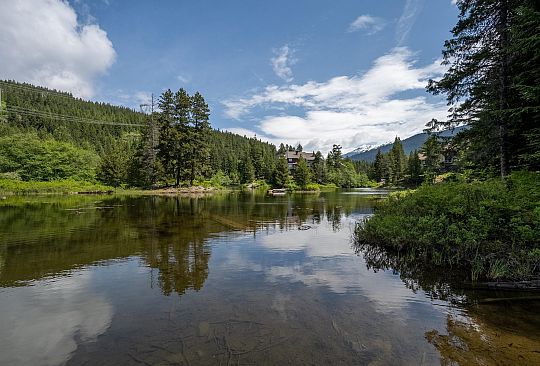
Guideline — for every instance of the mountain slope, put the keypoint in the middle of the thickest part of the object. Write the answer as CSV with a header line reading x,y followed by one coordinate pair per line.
x,y
409,144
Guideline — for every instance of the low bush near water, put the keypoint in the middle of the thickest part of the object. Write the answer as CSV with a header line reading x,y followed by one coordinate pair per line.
x,y
491,228
10,186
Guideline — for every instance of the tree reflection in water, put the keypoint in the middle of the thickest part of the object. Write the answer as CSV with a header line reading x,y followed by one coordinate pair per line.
x,y
484,327
47,236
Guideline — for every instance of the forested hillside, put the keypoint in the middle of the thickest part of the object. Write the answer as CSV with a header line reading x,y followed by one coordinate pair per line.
x,y
49,135
410,144
59,115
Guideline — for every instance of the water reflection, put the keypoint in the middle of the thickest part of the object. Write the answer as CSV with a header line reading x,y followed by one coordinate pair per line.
x,y
228,279
40,238
46,321
486,328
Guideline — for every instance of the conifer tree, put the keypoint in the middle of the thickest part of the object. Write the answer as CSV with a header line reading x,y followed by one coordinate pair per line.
x,y
318,168
399,160
198,141
487,81
247,171
432,153
168,147
181,134
378,166
302,173
281,174
414,167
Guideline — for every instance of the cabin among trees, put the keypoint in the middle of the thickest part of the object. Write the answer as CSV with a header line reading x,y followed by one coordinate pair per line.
x,y
293,157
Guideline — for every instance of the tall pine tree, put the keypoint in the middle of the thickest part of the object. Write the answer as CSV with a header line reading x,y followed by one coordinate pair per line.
x,y
484,70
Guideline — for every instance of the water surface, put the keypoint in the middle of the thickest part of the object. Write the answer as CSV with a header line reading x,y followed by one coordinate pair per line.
x,y
233,279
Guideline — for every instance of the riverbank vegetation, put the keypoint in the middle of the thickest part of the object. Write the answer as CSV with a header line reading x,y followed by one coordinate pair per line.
x,y
491,228
51,187
46,136
469,218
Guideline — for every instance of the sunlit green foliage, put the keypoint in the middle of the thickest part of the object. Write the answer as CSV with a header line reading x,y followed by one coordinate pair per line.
x,y
34,159
8,186
489,228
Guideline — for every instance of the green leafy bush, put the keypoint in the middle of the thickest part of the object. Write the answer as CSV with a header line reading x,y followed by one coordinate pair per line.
x,y
220,179
491,228
45,160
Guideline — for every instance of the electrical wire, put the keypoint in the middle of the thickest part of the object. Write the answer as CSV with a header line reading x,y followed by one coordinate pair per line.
x,y
66,118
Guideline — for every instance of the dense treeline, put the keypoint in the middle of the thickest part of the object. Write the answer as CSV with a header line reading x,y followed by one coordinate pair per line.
x,y
58,115
394,168
475,220
335,170
48,135
241,158
179,147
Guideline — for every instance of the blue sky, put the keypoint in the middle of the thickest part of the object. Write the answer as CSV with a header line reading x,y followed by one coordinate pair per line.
x,y
312,71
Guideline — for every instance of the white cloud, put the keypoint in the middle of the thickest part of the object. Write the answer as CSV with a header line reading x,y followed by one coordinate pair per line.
x,y
282,62
367,23
143,97
407,19
43,42
328,262
57,316
349,110
183,79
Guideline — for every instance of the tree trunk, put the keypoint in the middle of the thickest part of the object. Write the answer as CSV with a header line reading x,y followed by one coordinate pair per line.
x,y
192,176
503,87
177,171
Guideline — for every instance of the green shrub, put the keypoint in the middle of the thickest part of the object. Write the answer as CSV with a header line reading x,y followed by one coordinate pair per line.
x,y
220,179
490,228
312,187
34,159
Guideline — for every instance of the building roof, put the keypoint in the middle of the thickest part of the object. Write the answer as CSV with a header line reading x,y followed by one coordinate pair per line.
x,y
296,155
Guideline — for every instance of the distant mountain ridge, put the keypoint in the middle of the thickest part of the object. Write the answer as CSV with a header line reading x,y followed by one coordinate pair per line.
x,y
409,144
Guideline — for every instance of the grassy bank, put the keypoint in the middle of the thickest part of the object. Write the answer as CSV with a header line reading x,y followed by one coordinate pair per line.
x,y
10,186
491,228
70,186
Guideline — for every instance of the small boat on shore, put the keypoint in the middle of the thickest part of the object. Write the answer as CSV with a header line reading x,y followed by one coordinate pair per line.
x,y
277,192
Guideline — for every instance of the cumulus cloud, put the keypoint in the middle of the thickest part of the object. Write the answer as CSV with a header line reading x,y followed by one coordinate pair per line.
x,y
282,62
372,108
43,42
367,23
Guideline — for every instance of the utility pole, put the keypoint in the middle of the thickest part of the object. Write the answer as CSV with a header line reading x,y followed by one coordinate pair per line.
x,y
151,146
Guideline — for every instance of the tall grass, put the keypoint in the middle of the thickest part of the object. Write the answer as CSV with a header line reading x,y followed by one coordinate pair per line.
x,y
10,186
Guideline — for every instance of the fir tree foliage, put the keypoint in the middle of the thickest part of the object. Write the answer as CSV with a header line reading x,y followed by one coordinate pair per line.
x,y
302,173
281,174
492,82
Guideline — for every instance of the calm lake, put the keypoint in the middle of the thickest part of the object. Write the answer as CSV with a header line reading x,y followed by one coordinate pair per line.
x,y
234,279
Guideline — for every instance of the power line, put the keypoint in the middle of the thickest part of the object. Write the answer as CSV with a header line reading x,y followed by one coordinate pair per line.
x,y
37,90
67,118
